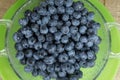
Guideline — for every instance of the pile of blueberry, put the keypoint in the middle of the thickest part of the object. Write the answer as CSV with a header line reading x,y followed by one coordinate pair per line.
x,y
56,39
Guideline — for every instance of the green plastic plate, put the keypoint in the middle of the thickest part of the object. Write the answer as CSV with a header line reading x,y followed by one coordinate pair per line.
x,y
110,70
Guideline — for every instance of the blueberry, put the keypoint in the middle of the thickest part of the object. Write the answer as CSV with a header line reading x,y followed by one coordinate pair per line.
x,y
73,29
43,30
41,38
23,22
50,2
23,61
65,29
68,23
71,53
28,32
25,44
20,55
69,46
52,23
38,45
68,3
43,73
35,27
42,66
18,46
27,13
31,61
83,20
75,22
65,17
73,78
83,56
64,39
62,73
17,37
50,68
53,75
45,45
55,17
28,68
89,44
60,48
52,9
39,22
47,78
32,40
78,74
90,16
77,66
35,72
78,6
90,64
57,67
58,35
61,9
70,69
45,20
82,29
51,48
90,55
77,15
52,29
69,10
42,53
35,16
36,56
84,12
72,60
42,11
49,37
76,37
59,2
49,60
63,57
83,39
79,45
59,24
98,41
28,53
43,4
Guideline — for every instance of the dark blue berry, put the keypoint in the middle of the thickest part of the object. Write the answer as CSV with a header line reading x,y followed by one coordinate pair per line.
x,y
38,45
52,9
77,66
55,17
28,53
84,12
90,16
42,66
41,38
57,67
69,10
63,57
50,68
23,61
45,20
53,75
64,39
75,22
28,68
52,29
60,48
65,29
52,23
89,44
79,45
83,20
77,15
61,9
70,69
23,22
90,55
73,29
35,72
76,37
68,3
83,56
72,60
42,53
57,35
43,30
42,11
25,43
31,61
59,2
78,6
20,55
43,4
17,37
50,2
36,56
71,53
68,23
18,46
49,60
27,13
45,45
83,39
62,73
51,48
65,17
49,37
35,16
69,46
39,22
82,29
32,40
90,63
35,27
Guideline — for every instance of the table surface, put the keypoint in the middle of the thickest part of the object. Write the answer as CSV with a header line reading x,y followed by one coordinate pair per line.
x,y
112,5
